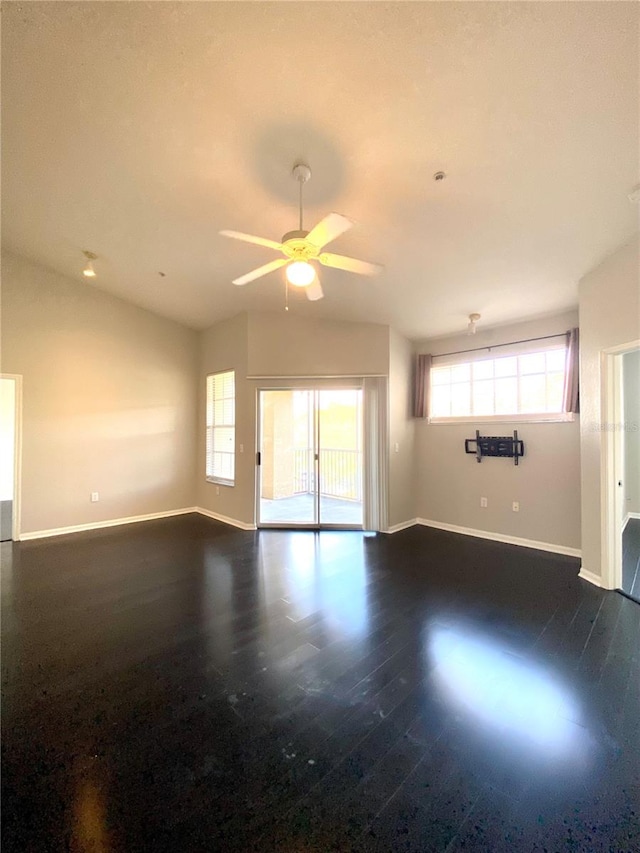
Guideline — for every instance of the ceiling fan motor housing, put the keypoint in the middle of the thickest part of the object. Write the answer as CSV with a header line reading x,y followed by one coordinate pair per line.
x,y
296,246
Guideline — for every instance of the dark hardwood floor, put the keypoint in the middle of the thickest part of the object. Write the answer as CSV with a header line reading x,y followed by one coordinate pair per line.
x,y
182,686
631,558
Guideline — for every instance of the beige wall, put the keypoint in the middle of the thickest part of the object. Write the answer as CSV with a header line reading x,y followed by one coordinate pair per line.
x,y
546,483
401,431
609,316
225,347
631,397
109,400
286,345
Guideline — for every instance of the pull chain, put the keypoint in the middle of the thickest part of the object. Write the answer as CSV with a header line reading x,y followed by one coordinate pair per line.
x,y
286,293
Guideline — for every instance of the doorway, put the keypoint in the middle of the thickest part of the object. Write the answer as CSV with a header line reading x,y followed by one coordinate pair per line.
x,y
9,457
630,581
310,458
621,464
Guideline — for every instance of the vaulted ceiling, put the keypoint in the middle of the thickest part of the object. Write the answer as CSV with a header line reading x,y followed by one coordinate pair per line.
x,y
139,130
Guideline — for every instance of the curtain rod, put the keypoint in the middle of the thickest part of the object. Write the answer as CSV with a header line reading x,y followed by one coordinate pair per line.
x,y
495,346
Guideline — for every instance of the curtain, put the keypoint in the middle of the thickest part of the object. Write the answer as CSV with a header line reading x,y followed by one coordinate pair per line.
x,y
421,387
571,393
376,454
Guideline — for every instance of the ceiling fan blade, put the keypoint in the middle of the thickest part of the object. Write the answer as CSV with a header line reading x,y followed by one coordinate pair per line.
x,y
314,291
332,226
342,262
251,238
260,271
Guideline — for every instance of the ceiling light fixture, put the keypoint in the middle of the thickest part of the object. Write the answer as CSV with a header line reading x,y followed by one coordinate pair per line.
x,y
300,274
473,319
89,271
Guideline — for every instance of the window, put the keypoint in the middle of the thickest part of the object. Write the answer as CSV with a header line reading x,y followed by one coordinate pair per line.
x,y
221,427
526,385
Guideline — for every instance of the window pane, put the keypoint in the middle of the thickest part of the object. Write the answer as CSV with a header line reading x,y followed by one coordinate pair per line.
x,y
440,401
220,433
533,363
531,383
440,375
556,359
460,400
461,373
506,366
483,369
223,439
555,388
533,394
483,397
223,465
507,396
223,412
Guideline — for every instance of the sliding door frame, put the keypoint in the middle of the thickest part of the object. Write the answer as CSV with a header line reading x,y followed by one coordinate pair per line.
x,y
315,387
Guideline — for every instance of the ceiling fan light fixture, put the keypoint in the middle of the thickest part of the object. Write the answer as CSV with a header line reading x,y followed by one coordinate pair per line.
x,y
299,247
300,274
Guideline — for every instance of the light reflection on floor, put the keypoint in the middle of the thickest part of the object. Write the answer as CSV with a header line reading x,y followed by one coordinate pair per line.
x,y
325,575
509,695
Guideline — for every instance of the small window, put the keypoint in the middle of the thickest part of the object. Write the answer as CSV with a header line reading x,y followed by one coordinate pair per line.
x,y
221,428
527,385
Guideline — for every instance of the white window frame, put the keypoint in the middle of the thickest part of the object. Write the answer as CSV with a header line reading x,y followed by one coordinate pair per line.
x,y
211,426
515,418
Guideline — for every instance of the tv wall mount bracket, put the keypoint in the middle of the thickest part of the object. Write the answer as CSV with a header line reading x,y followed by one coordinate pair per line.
x,y
495,445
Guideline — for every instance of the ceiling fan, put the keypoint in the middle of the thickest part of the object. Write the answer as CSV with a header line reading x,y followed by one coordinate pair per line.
x,y
300,247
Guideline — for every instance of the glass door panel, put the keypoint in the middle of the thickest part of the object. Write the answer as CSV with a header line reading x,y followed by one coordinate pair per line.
x,y
287,475
340,456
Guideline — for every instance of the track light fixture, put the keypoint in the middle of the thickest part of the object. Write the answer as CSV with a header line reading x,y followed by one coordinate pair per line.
x,y
89,271
473,319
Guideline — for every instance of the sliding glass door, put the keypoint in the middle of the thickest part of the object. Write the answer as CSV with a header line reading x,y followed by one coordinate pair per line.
x,y
310,458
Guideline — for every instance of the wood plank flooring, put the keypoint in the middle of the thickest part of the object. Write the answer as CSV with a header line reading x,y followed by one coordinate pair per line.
x,y
183,686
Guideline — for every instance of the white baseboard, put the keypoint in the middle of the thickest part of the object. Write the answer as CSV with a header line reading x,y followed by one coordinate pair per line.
x,y
501,537
628,518
589,576
395,528
98,525
243,525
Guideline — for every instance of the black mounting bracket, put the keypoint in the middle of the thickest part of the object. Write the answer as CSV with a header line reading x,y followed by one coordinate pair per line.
x,y
495,445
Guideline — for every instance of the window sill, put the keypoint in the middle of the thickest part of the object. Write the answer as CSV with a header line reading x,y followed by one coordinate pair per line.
x,y
220,482
507,419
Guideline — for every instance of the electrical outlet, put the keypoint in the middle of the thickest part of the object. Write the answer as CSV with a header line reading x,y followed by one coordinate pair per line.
x,y
217,490
484,502
396,447
242,448
515,506
95,497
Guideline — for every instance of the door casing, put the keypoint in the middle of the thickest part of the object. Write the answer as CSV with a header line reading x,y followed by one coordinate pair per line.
x,y
612,467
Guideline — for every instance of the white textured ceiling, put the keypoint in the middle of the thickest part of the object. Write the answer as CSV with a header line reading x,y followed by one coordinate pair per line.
x,y
139,130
